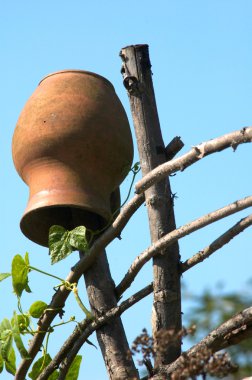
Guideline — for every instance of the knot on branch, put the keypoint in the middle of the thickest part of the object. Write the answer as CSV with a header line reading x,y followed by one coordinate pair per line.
x,y
164,295
235,332
131,85
156,200
234,144
243,130
200,150
130,82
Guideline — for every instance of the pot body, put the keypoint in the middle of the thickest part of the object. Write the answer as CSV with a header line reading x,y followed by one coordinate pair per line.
x,y
73,147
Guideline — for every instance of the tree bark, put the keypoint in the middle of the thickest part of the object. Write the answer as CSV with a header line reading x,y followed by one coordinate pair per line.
x,y
111,337
102,297
159,200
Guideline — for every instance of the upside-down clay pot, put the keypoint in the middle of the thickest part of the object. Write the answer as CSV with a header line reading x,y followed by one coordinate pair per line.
x,y
73,147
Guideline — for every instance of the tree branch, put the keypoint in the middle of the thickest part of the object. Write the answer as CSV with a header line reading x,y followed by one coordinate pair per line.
x,y
75,338
198,152
111,336
85,329
59,298
218,243
186,229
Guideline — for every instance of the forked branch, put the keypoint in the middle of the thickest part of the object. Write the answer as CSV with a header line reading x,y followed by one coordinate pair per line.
x,y
218,243
198,152
180,232
85,329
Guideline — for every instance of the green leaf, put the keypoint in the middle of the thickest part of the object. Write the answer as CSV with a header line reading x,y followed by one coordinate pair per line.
x,y
19,271
23,322
10,363
5,325
37,309
17,338
6,339
54,375
74,369
28,289
1,364
38,367
78,238
59,245
3,276
26,259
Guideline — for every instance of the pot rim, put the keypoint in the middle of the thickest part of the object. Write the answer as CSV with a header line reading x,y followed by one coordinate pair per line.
x,y
77,71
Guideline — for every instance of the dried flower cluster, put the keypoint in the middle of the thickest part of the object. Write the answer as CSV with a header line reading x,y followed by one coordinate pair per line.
x,y
143,344
191,366
203,363
164,338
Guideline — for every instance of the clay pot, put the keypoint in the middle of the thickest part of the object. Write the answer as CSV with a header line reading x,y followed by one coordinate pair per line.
x,y
73,147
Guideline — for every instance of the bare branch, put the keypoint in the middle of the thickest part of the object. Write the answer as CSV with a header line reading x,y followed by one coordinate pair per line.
x,y
174,146
218,243
85,329
218,144
180,232
233,331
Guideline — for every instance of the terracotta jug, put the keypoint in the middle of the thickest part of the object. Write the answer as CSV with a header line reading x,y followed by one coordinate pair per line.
x,y
73,147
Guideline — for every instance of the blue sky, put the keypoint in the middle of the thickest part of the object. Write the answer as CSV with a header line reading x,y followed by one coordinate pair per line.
x,y
201,62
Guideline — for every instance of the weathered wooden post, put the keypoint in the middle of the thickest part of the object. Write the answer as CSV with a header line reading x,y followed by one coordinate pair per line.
x,y
136,70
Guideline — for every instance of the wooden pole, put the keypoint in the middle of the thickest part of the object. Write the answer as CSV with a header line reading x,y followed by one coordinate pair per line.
x,y
136,70
111,336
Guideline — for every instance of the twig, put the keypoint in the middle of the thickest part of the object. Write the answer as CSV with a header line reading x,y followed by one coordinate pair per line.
x,y
233,331
198,152
77,338
180,232
217,244
174,146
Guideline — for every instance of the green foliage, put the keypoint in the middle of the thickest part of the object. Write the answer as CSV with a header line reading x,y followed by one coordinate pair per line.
x,y
37,309
10,362
12,330
74,369
63,242
78,238
17,337
19,272
1,364
3,276
9,332
38,367
6,338
23,322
